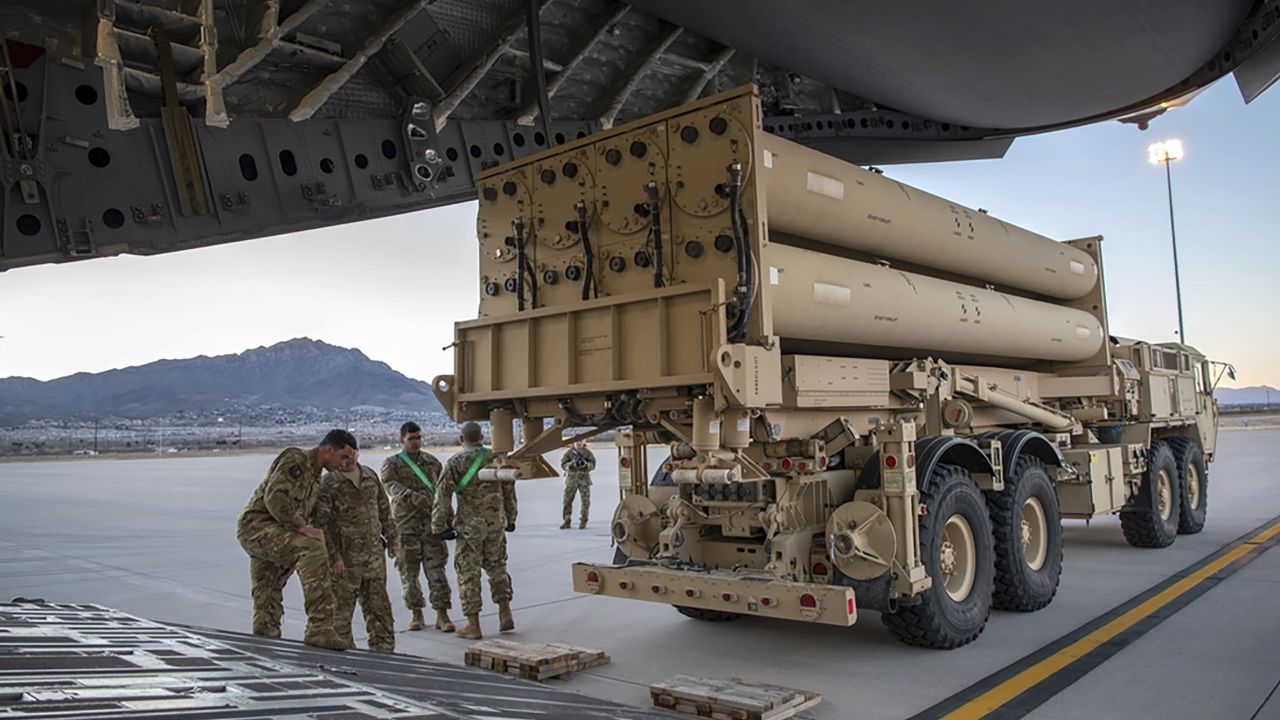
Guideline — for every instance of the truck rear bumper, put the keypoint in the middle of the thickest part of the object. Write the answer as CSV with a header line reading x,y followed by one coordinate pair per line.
x,y
723,591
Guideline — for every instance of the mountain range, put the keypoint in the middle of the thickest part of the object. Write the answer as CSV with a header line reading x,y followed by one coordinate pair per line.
x,y
299,373
1252,395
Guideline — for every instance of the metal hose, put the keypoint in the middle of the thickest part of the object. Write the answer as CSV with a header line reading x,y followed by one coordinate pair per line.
x,y
655,232
589,272
745,289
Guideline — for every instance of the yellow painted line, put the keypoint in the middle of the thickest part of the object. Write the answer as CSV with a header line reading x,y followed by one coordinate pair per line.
x,y
997,696
1264,536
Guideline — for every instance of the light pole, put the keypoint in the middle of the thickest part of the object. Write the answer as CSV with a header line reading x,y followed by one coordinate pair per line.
x,y
1164,153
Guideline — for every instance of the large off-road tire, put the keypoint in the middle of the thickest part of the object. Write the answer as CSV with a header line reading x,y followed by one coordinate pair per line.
x,y
1193,481
958,553
1027,526
1152,521
707,615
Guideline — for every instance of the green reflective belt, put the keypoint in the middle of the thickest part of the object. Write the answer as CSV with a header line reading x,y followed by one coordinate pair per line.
x,y
471,471
418,471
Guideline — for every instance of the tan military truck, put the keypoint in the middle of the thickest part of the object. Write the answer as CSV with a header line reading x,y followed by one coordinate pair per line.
x,y
870,396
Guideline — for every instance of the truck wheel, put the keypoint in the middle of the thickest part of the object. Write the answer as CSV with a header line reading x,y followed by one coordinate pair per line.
x,y
1193,480
1027,526
707,615
1153,520
958,553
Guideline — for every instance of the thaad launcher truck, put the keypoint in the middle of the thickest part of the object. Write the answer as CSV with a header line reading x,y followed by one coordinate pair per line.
x,y
870,397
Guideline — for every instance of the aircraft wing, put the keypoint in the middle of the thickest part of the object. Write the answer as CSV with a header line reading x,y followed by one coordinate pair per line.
x,y
148,126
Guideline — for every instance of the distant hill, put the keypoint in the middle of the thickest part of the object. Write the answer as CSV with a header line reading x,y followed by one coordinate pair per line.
x,y
296,373
1252,395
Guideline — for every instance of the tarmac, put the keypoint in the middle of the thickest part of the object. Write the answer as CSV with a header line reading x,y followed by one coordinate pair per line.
x,y
155,538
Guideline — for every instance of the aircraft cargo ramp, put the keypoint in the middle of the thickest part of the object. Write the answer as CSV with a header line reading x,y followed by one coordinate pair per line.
x,y
87,661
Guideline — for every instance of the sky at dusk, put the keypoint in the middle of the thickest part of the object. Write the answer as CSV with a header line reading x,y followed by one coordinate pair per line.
x,y
393,287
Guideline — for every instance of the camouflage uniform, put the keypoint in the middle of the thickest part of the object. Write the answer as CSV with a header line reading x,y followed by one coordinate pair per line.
x,y
268,531
485,508
577,480
356,520
419,548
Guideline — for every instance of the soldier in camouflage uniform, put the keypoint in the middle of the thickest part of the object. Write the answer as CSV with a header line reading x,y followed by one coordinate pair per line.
x,y
577,463
486,510
412,497
273,529
354,513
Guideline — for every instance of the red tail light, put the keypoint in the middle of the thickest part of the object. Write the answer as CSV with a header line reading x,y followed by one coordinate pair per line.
x,y
593,576
802,466
785,464
767,466
911,460
624,461
890,461
822,461
821,569
849,603
807,600
690,593
727,597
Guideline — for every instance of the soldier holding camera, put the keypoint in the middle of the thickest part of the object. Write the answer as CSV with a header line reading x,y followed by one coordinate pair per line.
x,y
577,463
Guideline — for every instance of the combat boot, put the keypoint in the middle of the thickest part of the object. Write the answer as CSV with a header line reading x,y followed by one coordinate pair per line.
x,y
582,524
505,621
472,630
443,623
565,526
325,638
418,622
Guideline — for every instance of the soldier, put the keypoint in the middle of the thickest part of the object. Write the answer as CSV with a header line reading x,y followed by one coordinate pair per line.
x,y
273,529
486,509
577,463
410,479
354,513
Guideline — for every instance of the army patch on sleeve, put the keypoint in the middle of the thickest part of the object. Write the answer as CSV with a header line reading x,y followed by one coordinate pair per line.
x,y
295,472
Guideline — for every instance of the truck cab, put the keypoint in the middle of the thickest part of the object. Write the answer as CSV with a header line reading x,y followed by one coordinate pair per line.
x,y
1173,382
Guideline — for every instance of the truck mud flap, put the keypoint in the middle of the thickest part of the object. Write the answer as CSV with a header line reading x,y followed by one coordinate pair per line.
x,y
825,604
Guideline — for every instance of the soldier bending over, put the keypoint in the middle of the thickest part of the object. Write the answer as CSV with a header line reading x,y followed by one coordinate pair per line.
x,y
274,530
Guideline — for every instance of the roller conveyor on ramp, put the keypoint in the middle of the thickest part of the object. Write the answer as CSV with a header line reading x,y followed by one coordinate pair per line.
x,y
80,660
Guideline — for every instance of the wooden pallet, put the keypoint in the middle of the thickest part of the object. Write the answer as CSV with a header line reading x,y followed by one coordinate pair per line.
x,y
733,699
532,661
